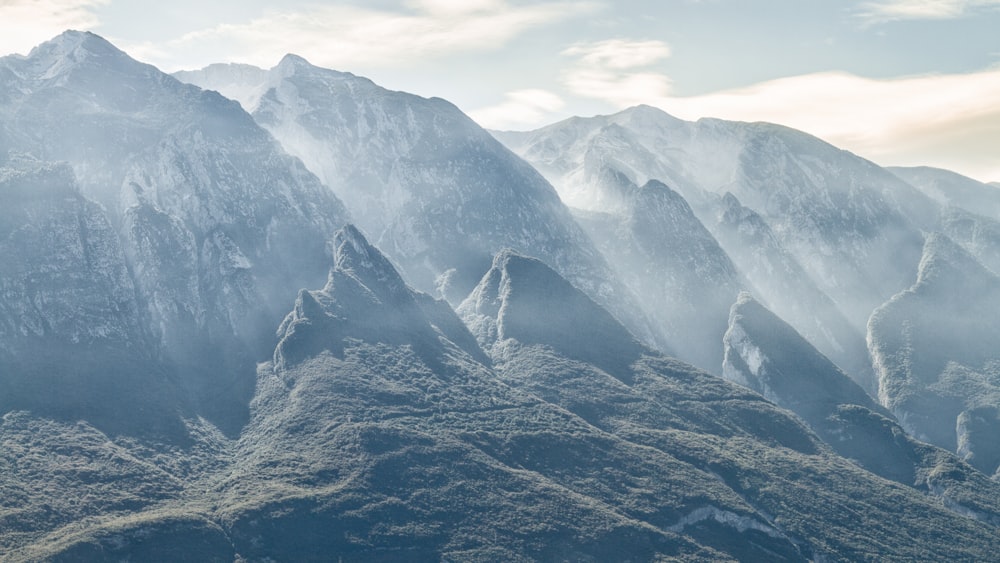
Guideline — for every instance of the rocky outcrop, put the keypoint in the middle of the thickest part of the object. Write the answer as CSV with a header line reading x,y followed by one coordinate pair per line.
x,y
434,190
219,227
668,258
935,350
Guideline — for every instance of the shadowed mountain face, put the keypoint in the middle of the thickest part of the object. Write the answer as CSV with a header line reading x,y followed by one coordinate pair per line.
x,y
660,249
432,188
754,450
935,353
385,417
852,227
218,226
791,293
768,356
381,432
72,341
153,236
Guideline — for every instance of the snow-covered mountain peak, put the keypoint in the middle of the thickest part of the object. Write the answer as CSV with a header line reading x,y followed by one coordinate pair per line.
x,y
72,42
645,116
292,65
436,192
71,49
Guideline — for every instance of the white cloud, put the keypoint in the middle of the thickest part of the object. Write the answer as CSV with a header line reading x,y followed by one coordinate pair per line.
x,y
26,23
343,36
619,53
951,121
519,108
615,71
891,10
455,7
621,89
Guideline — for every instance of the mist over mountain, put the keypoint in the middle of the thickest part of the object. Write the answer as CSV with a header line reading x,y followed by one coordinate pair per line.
x,y
935,354
768,356
791,292
978,235
219,227
853,227
320,320
431,187
757,455
670,259
951,189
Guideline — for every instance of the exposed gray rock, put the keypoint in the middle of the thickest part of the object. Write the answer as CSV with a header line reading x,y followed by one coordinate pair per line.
x,y
790,292
934,345
768,356
853,227
219,226
657,245
429,186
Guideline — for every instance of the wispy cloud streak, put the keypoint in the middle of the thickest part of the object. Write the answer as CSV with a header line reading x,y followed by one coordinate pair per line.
x,y
343,36
893,10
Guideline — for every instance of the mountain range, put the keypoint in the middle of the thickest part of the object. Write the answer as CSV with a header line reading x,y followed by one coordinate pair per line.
x,y
287,314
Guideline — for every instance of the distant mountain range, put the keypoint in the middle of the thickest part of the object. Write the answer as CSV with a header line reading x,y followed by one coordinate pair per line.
x,y
287,315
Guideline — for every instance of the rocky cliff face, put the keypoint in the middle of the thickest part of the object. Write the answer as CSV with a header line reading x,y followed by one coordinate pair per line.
x,y
433,189
219,227
934,349
72,340
768,356
852,226
149,411
665,255
789,291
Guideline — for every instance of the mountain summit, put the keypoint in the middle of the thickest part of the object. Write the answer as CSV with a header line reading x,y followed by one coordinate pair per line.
x,y
434,190
218,226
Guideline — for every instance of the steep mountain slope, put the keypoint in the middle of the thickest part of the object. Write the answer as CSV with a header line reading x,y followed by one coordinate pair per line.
x,y
70,492
660,249
71,335
951,189
853,226
934,349
432,188
765,262
152,236
431,455
978,235
378,432
219,226
752,449
768,356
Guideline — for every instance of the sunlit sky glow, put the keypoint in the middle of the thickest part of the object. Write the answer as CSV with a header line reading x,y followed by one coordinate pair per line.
x,y
902,82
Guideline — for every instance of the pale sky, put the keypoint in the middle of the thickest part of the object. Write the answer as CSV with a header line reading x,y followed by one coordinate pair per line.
x,y
901,82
